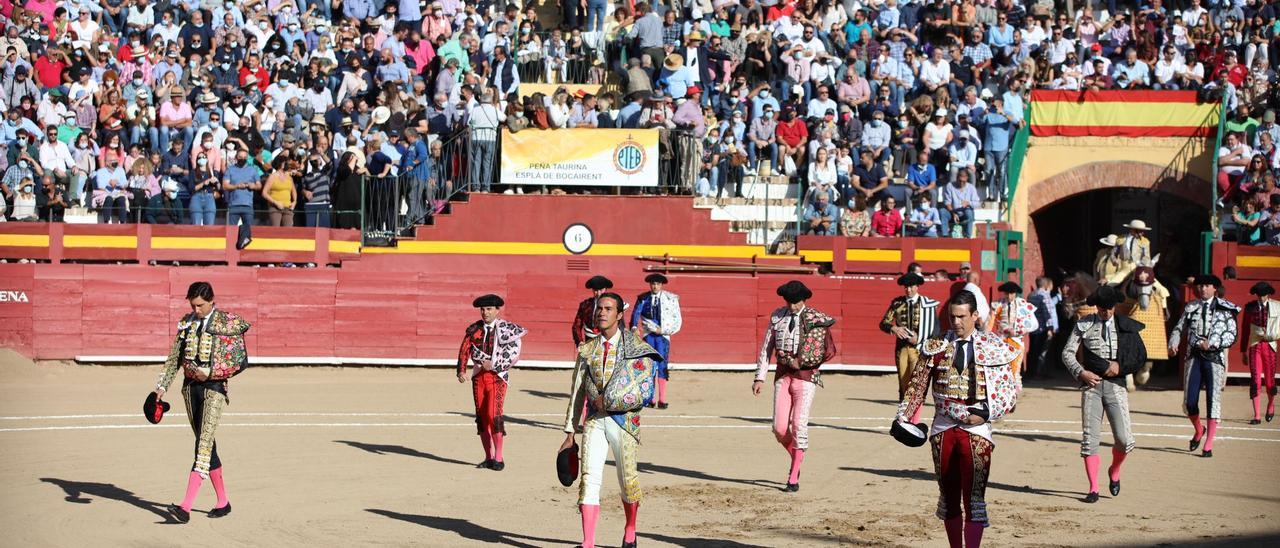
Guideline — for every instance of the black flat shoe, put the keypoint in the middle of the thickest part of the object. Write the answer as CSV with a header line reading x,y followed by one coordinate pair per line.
x,y
631,544
486,463
1195,444
650,405
182,516
663,405
1271,415
793,487
220,512
1091,497
1255,421
1115,488
497,465
1207,454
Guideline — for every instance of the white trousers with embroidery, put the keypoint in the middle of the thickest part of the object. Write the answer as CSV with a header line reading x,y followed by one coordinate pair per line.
x,y
602,437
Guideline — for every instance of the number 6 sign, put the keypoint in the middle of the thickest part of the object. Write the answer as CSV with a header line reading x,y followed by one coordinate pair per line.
x,y
578,238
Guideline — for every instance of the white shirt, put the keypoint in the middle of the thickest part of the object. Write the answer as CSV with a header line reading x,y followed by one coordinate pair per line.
x,y
936,74
984,309
1167,70
56,155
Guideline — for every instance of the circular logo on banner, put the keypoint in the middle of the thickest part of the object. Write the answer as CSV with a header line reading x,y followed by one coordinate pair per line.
x,y
578,238
629,157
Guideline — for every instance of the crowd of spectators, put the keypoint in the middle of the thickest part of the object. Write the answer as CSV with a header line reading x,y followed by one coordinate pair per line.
x,y
895,116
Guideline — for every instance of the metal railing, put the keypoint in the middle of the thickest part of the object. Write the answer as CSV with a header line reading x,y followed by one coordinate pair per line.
x,y
392,206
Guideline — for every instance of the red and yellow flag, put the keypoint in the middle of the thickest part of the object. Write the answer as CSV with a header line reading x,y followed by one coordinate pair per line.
x,y
1122,114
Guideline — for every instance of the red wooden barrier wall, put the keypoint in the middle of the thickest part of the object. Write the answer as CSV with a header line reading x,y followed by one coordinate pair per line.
x,y
54,311
130,310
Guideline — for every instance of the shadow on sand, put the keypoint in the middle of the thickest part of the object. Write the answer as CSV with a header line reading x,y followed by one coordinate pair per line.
x,y
379,449
470,531
80,492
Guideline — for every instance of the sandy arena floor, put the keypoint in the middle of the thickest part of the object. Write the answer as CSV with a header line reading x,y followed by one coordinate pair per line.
x,y
339,457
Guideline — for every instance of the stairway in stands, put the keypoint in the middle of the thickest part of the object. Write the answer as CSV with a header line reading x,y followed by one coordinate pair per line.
x,y
770,205
766,213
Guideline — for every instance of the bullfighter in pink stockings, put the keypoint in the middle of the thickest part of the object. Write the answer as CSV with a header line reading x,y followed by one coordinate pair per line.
x,y
800,338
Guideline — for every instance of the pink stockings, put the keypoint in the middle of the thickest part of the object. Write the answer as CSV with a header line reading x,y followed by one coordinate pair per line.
x,y
591,515
193,488
958,528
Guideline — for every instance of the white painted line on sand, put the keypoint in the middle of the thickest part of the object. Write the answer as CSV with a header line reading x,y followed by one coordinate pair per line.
x,y
472,424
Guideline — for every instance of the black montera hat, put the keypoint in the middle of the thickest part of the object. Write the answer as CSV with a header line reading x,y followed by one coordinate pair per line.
x,y
655,278
488,300
567,465
909,279
153,408
794,292
910,435
599,282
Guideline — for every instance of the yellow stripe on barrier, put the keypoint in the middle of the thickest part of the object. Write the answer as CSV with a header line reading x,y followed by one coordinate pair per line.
x,y
600,250
112,242
343,246
24,240
943,255
817,255
281,244
1257,261
181,242
874,255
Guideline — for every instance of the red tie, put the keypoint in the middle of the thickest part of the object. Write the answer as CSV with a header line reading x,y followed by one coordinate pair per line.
x,y
605,359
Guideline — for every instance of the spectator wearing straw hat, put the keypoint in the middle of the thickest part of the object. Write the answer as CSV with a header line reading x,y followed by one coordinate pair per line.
x,y
1135,248
1107,262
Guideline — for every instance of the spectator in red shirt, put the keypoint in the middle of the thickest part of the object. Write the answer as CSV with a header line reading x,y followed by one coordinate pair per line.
x,y
252,67
49,68
887,221
792,136
1235,71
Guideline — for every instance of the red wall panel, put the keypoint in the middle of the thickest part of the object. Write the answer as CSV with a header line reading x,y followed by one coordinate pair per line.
x,y
77,310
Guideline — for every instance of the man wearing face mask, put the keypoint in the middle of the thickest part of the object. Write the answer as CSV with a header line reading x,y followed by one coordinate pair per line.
x,y
240,183
111,192
19,85
165,208
22,163
877,137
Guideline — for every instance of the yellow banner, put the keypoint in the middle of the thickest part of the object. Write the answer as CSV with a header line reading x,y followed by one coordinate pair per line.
x,y
580,157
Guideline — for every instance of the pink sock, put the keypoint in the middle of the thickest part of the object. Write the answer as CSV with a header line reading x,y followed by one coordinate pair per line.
x,y
662,390
629,532
1117,458
486,439
497,446
915,417
193,487
1271,403
1257,415
797,457
1091,464
955,531
590,513
215,477
1195,421
1213,430
973,534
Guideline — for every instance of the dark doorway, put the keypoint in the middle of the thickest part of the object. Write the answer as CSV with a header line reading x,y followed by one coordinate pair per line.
x,y
1069,229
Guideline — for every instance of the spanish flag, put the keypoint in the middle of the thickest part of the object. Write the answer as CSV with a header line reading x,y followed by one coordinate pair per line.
x,y
1122,114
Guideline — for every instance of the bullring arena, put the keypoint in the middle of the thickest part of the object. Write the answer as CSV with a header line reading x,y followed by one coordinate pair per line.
x,y
332,256
382,456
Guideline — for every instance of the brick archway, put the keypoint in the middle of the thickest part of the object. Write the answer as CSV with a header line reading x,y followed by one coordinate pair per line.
x,y
1101,176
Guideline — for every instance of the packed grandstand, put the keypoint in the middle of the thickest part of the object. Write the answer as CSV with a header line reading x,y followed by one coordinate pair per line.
x,y
894,117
